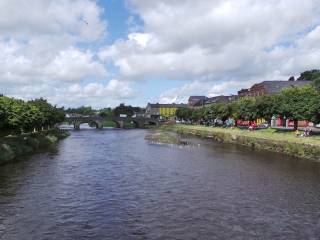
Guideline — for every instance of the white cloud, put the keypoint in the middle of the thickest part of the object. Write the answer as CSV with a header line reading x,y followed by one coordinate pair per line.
x,y
115,89
25,19
96,94
38,41
181,95
74,65
40,53
209,41
304,54
19,64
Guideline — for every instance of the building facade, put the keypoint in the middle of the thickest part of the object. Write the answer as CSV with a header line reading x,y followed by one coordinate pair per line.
x,y
163,111
195,99
213,100
270,87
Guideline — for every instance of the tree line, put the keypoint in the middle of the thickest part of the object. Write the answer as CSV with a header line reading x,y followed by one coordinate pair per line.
x,y
106,112
25,116
297,103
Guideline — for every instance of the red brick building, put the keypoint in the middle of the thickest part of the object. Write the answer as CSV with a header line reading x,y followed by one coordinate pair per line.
x,y
270,87
195,99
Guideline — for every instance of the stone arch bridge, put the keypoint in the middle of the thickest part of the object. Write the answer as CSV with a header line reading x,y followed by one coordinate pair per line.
x,y
139,122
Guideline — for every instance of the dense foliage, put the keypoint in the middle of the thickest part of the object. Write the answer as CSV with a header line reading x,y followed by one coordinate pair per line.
x,y
310,75
17,115
82,110
294,103
105,112
123,109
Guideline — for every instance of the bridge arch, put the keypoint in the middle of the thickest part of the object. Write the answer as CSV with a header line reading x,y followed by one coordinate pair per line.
x,y
98,124
119,121
138,124
152,123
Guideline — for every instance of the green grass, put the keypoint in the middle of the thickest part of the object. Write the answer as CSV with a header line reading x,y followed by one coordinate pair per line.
x,y
271,134
109,123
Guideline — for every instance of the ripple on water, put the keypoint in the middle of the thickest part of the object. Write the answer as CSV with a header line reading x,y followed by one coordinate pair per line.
x,y
114,185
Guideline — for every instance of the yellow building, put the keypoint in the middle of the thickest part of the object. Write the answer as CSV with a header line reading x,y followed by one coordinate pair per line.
x,y
167,111
163,111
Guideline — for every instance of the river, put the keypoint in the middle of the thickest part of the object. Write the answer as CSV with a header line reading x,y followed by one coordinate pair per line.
x,y
112,184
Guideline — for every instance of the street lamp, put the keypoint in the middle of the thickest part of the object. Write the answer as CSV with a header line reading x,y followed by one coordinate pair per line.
x,y
211,112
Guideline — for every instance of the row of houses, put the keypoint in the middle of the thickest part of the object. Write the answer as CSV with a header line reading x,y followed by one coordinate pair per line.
x,y
167,111
259,89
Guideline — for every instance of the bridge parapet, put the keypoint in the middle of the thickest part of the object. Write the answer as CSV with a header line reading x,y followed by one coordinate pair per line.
x,y
139,121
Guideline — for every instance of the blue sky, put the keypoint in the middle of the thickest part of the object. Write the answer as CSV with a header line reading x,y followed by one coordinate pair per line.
x,y
116,13
105,52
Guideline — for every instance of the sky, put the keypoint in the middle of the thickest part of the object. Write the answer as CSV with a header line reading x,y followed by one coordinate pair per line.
x,y
106,52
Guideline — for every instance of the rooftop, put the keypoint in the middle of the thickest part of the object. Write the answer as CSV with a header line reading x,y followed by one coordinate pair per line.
x,y
278,85
216,99
191,98
167,105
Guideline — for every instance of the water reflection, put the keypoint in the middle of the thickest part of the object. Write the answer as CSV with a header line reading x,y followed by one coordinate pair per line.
x,y
112,184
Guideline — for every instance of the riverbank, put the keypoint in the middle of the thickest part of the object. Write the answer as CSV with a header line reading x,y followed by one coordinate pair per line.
x,y
160,137
14,146
268,139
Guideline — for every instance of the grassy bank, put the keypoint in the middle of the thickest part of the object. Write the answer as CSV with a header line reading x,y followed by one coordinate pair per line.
x,y
267,139
14,146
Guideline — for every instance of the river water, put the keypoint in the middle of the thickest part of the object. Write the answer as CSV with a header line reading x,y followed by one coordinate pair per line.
x,y
112,184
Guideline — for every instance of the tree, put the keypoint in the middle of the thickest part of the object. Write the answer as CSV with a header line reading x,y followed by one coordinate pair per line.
x,y
3,112
184,113
105,112
246,109
83,110
300,104
316,83
224,111
267,106
50,114
291,79
60,115
17,115
197,114
31,117
46,109
123,109
310,75
209,112
180,113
